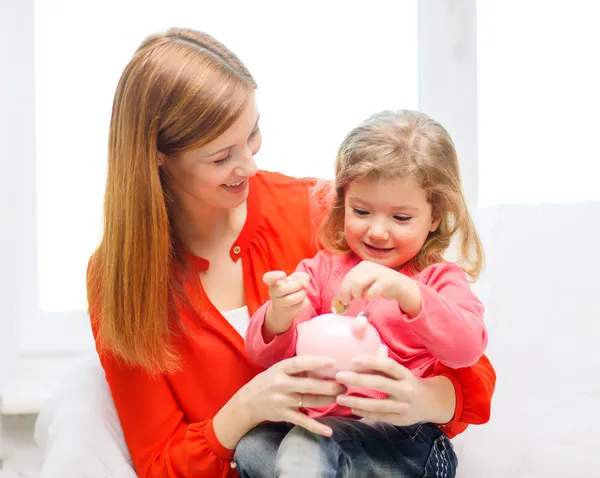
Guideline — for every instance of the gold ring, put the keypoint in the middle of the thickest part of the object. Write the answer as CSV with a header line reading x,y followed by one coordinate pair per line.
x,y
300,400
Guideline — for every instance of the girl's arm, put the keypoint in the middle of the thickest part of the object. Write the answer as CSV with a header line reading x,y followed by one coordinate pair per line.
x,y
263,347
443,311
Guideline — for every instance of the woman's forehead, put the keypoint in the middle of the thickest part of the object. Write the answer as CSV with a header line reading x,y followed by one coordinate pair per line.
x,y
237,133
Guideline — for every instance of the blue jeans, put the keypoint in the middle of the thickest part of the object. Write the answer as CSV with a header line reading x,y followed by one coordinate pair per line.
x,y
358,448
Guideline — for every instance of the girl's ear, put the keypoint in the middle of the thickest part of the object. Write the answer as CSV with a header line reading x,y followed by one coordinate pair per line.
x,y
435,221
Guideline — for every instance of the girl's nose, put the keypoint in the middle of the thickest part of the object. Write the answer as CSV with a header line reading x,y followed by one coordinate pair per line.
x,y
378,232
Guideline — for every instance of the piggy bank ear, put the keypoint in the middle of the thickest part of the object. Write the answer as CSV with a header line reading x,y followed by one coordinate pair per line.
x,y
358,327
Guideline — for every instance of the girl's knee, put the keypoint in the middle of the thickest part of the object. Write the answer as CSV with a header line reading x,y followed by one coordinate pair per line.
x,y
306,454
247,451
255,453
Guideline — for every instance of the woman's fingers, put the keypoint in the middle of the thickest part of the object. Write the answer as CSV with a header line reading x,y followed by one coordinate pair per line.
x,y
392,418
298,418
296,369
372,405
366,380
309,400
317,401
315,386
378,375
384,365
306,363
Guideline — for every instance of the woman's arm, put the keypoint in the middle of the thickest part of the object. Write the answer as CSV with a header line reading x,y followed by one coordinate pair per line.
x,y
474,387
438,399
163,442
161,439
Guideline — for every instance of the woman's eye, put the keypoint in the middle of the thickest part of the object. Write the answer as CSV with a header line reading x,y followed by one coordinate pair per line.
x,y
360,212
224,160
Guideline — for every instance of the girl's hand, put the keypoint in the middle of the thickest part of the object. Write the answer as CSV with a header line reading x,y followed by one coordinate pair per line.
x,y
370,280
410,399
288,298
277,393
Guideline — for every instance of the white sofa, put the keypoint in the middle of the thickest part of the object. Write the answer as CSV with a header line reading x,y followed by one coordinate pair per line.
x,y
540,291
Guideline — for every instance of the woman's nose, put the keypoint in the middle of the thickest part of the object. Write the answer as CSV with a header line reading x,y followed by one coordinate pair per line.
x,y
247,166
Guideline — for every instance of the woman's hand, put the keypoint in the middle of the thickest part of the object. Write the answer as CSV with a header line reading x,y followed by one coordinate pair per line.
x,y
288,298
410,399
277,393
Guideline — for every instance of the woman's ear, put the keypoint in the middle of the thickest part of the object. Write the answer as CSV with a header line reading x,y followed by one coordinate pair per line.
x,y
160,158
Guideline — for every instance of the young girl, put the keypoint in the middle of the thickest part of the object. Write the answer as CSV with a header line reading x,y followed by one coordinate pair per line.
x,y
398,205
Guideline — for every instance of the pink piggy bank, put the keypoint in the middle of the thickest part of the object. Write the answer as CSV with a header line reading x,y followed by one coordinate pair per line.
x,y
341,338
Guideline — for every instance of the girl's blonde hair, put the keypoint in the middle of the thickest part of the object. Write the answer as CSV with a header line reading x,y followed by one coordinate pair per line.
x,y
181,90
407,144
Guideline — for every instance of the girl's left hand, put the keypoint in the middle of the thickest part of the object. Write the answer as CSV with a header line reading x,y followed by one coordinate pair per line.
x,y
370,280
410,399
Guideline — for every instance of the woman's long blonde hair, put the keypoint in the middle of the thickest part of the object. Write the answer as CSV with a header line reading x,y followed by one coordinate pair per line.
x,y
181,90
407,144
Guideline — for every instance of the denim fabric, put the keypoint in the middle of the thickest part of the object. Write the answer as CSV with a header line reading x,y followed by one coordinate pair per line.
x,y
358,448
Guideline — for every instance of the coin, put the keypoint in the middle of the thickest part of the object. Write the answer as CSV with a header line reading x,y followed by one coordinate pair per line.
x,y
338,307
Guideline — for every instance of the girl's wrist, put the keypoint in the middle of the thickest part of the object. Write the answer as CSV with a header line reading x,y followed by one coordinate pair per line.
x,y
271,325
408,296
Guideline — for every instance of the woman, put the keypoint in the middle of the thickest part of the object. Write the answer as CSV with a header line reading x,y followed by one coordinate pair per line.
x,y
190,227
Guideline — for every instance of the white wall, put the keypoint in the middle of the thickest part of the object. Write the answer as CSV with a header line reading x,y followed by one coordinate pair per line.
x,y
9,219
538,101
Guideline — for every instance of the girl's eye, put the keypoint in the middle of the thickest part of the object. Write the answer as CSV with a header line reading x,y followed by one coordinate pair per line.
x,y
402,218
360,212
254,133
224,160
